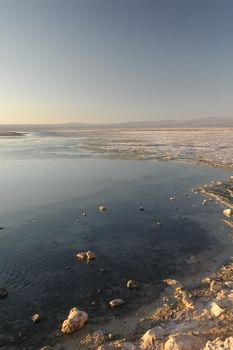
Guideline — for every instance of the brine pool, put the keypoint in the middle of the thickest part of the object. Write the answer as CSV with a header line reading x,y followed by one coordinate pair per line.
x,y
41,209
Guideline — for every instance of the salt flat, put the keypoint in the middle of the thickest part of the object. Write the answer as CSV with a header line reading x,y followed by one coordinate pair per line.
x,y
212,146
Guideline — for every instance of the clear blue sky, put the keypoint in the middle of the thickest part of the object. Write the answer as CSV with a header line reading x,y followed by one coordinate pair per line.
x,y
115,60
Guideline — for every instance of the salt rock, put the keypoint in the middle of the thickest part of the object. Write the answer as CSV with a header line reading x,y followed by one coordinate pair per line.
x,y
227,212
229,284
90,255
224,299
102,208
131,284
173,283
206,280
183,342
221,296
116,302
215,286
185,298
217,344
81,255
215,309
75,321
36,318
230,296
149,339
86,255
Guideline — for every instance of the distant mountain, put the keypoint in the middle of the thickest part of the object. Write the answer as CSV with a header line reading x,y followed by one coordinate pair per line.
x,y
210,122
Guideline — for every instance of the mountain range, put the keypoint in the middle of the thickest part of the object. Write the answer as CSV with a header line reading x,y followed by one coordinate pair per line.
x,y
210,122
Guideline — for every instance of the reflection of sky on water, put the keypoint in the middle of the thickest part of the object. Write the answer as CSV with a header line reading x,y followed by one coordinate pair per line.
x,y
43,195
40,145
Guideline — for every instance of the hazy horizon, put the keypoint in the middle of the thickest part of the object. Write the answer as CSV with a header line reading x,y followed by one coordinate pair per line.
x,y
208,122
114,61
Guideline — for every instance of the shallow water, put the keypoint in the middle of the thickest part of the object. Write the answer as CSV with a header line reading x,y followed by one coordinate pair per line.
x,y
42,201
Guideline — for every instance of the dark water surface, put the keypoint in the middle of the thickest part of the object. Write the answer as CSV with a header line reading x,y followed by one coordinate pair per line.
x,y
41,208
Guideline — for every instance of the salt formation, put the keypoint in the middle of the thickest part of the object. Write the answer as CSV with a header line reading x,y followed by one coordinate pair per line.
x,y
75,321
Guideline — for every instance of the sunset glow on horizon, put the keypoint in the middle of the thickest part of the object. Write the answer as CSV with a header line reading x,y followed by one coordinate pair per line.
x,y
114,61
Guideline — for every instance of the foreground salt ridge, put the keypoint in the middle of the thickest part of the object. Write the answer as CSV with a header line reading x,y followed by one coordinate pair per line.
x,y
198,319
182,319
220,191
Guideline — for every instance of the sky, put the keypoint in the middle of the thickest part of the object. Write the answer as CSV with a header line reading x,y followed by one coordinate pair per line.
x,y
110,61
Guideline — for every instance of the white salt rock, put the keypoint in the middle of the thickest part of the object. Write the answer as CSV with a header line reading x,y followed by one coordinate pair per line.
x,y
75,321
227,212
116,302
215,309
183,342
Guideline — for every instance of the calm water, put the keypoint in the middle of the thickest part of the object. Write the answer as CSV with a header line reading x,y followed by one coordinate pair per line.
x,y
42,201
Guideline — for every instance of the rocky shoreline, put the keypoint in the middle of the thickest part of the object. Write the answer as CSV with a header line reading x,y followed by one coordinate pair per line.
x,y
201,318
183,318
222,192
187,319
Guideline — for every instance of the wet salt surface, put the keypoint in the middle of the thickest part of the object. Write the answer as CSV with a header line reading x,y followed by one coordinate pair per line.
x,y
213,146
41,201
